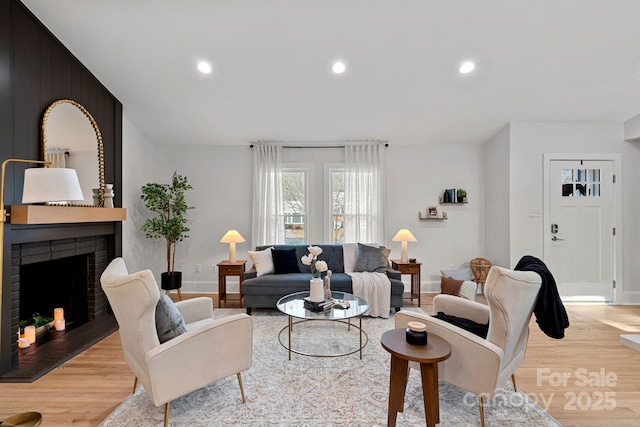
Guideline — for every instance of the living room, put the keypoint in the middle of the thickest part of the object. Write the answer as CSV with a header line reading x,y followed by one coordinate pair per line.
x,y
502,170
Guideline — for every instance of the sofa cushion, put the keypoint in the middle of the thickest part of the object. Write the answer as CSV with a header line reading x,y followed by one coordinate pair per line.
x,y
333,256
371,259
262,261
284,261
459,274
169,321
450,286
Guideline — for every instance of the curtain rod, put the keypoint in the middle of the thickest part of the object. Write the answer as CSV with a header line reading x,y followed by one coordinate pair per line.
x,y
386,144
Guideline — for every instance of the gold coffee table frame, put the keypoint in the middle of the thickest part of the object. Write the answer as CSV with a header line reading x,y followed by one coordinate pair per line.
x,y
293,306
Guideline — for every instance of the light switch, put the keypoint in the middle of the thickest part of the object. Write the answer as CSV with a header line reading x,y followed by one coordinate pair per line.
x,y
535,212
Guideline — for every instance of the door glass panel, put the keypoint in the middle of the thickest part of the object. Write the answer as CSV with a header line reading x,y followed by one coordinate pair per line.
x,y
580,182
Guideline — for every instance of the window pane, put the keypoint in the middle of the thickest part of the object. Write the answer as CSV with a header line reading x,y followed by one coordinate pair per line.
x,y
567,175
295,190
337,206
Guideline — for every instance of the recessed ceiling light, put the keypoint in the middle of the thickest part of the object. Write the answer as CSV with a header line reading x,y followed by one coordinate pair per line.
x,y
204,67
338,67
467,67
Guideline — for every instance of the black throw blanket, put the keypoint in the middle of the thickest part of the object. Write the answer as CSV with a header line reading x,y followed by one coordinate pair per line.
x,y
550,313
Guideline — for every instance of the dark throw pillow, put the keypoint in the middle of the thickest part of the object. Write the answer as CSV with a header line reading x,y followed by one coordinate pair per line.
x,y
450,286
169,321
371,259
284,261
476,328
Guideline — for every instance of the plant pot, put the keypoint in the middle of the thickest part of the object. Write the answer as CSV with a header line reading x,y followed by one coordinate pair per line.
x,y
460,199
171,280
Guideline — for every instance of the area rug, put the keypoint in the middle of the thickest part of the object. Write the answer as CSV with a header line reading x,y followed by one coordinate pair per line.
x,y
329,391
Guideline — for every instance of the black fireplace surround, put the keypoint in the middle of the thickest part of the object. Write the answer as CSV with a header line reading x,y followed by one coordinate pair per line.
x,y
58,273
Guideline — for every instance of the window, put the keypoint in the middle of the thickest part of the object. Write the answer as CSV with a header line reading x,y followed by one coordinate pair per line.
x,y
336,203
294,183
580,182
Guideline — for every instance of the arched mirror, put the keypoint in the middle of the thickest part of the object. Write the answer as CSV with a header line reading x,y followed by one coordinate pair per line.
x,y
71,138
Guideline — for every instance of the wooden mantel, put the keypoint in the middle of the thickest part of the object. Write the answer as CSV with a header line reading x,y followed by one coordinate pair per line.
x,y
39,214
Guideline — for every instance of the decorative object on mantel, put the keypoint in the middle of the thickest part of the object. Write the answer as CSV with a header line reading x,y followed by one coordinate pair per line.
x,y
232,237
108,195
404,236
432,212
67,123
170,223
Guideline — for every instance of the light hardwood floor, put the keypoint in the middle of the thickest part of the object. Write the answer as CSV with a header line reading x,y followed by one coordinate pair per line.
x,y
83,391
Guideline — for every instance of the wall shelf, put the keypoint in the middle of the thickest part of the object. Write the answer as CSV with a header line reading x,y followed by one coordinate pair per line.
x,y
39,214
453,203
432,219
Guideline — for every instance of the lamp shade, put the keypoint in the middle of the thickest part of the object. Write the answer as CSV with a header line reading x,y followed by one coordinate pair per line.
x,y
232,236
404,235
51,185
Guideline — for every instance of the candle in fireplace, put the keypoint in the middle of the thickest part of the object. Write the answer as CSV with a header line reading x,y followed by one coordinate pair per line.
x,y
58,313
59,324
23,343
30,333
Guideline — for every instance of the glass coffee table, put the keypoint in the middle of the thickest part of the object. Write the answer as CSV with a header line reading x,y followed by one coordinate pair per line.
x,y
293,306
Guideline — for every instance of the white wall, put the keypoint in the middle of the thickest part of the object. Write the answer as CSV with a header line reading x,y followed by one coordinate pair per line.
x,y
632,128
416,176
137,161
528,143
496,191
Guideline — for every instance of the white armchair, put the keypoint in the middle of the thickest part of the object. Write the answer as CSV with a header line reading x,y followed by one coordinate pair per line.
x,y
209,351
476,364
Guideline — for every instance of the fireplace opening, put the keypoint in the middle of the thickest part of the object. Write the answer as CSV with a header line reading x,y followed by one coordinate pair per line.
x,y
47,285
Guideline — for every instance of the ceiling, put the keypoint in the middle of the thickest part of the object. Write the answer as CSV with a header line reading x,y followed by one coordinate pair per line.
x,y
536,60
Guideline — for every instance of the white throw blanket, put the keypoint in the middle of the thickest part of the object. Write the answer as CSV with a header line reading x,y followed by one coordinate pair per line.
x,y
375,288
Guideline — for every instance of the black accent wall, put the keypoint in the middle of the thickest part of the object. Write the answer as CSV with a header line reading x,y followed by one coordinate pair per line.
x,y
35,70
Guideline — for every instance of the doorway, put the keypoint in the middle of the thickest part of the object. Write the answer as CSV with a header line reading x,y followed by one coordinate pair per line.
x,y
579,231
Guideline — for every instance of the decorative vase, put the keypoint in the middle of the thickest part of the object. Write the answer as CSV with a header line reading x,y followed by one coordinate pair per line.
x,y
108,195
316,290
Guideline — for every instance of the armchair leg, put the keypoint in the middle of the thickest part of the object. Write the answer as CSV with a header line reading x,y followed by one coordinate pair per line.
x,y
135,384
166,414
241,387
513,380
481,407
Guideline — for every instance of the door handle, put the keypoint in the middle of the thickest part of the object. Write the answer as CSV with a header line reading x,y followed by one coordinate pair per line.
x,y
555,239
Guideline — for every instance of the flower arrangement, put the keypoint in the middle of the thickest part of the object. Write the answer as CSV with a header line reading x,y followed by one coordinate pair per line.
x,y
317,266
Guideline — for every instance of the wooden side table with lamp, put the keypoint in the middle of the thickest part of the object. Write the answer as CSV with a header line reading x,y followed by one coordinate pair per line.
x,y
230,267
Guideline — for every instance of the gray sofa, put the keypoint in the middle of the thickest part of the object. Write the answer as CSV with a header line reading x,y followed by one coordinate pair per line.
x,y
266,290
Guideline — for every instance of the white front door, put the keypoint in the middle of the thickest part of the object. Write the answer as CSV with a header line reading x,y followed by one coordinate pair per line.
x,y
579,233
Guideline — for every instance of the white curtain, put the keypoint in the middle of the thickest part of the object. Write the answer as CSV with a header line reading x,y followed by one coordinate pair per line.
x,y
268,206
364,193
56,156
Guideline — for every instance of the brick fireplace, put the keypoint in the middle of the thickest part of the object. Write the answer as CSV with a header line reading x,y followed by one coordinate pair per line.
x,y
60,272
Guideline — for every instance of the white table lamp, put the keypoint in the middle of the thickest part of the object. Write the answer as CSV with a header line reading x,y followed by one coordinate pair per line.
x,y
51,185
232,237
404,236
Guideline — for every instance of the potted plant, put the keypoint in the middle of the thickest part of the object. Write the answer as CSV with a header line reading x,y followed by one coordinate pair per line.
x,y
167,202
461,195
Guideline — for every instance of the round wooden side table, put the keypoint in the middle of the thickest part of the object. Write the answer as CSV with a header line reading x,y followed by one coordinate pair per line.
x,y
428,356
